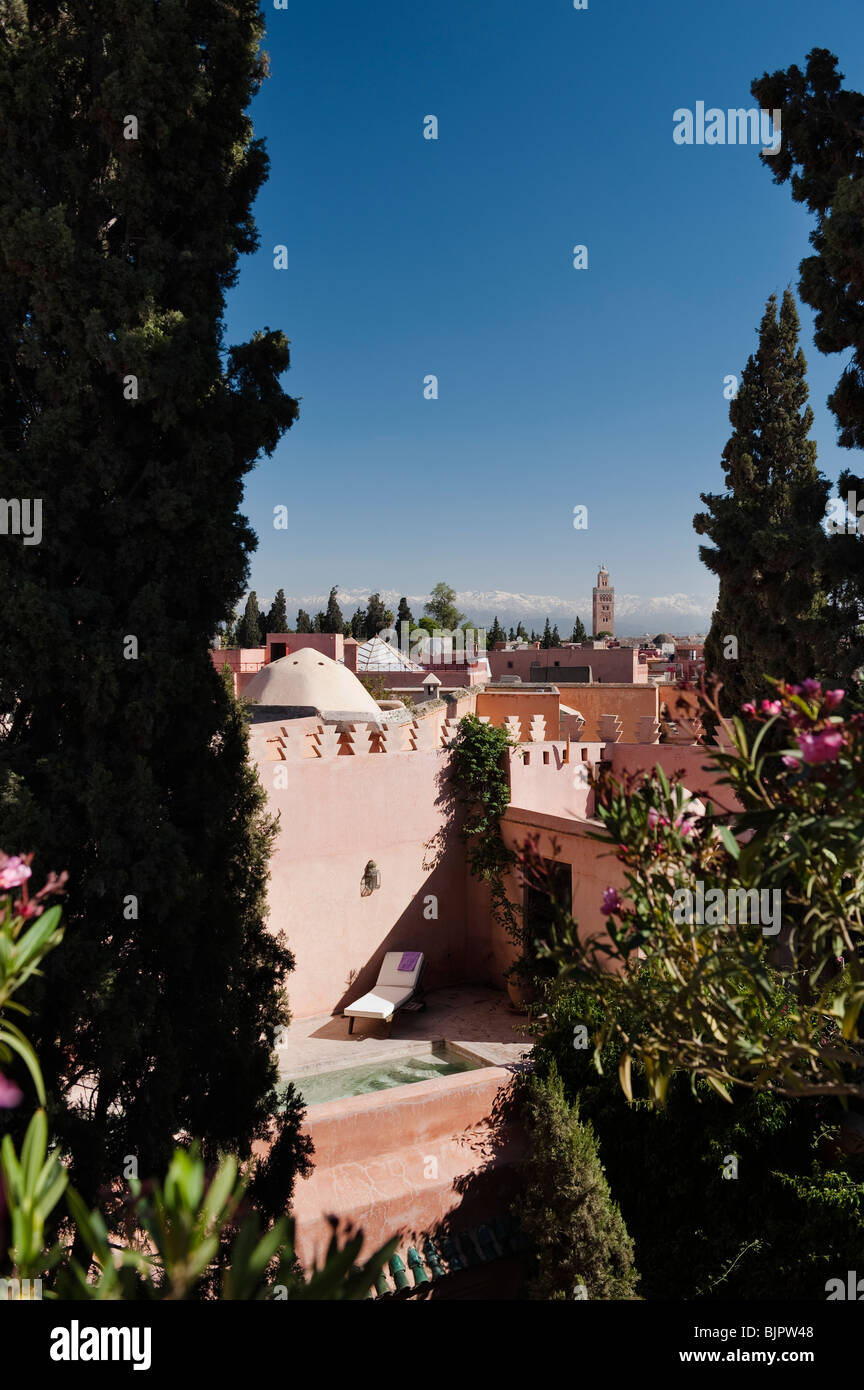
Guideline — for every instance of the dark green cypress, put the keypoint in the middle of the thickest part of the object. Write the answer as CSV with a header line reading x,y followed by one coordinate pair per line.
x,y
772,617
123,754
822,155
249,628
277,618
332,620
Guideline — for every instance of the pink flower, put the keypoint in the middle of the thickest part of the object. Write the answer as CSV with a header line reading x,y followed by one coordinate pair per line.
x,y
833,698
14,872
685,826
821,748
789,760
655,818
771,706
748,708
811,687
10,1094
611,902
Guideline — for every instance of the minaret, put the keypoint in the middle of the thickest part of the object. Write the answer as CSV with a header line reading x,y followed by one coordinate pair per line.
x,y
603,604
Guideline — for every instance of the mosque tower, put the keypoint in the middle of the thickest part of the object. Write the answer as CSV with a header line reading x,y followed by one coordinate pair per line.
x,y
603,604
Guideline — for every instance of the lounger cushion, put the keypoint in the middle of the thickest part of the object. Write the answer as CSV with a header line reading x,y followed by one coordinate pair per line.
x,y
379,1002
390,974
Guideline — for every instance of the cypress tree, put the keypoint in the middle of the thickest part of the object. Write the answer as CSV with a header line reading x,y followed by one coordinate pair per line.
x,y
496,633
822,152
249,632
546,640
566,1209
377,616
772,616
556,637
332,620
304,622
579,633
277,618
404,614
129,173
822,155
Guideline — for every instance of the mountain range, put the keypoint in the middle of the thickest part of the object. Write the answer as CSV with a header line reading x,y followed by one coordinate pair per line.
x,y
635,614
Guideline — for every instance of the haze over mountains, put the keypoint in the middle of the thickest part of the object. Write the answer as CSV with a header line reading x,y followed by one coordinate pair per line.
x,y
635,614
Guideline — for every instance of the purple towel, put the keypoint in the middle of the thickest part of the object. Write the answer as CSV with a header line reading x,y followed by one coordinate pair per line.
x,y
409,960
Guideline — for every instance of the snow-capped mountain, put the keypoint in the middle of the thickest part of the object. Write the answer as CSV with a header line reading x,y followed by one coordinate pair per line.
x,y
635,614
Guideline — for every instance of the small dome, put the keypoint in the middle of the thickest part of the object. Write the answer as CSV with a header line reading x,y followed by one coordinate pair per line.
x,y
307,680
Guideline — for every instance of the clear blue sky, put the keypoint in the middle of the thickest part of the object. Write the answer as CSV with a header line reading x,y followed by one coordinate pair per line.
x,y
409,257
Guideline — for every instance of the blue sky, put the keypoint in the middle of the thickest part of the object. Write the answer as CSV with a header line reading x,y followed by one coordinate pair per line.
x,y
558,387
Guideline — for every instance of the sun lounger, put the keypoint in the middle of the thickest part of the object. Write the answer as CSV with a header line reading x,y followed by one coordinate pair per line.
x,y
397,982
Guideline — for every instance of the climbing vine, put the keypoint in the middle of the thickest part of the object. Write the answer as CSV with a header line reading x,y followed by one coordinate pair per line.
x,y
481,784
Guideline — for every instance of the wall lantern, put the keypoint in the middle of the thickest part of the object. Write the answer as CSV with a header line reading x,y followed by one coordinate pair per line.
x,y
371,879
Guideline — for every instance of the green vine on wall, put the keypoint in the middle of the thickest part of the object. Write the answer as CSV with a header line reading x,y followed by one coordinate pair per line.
x,y
481,784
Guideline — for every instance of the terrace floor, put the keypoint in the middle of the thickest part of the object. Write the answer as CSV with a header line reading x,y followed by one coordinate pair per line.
x,y
475,1016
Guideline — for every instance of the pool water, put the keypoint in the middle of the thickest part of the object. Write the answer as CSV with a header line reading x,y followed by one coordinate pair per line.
x,y
381,1076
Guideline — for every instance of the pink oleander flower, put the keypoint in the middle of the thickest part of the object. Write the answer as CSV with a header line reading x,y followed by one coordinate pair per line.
x,y
685,825
655,818
748,708
13,871
611,902
789,760
10,1094
833,698
771,706
811,687
821,748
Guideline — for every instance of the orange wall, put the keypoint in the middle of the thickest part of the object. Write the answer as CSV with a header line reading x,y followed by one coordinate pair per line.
x,y
629,702
499,704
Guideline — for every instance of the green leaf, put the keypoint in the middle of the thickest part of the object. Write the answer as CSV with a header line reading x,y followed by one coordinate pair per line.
x,y
33,1150
624,1075
718,1086
12,1037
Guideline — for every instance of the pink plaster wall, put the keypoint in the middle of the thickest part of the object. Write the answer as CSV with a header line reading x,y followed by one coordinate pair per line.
x,y
336,815
607,663
452,677
699,777
401,1167
540,779
331,644
593,867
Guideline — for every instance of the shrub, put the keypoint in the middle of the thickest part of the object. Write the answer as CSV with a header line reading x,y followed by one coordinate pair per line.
x,y
581,1244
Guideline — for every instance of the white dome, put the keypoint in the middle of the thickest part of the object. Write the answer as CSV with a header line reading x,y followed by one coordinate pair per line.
x,y
309,680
